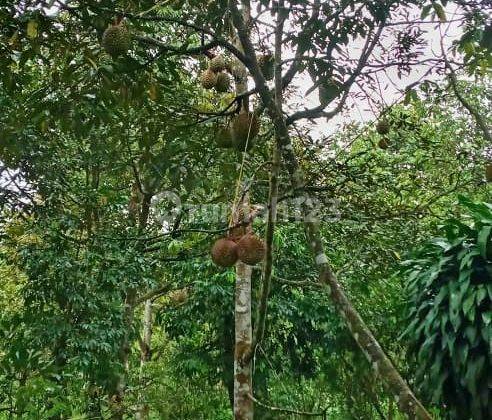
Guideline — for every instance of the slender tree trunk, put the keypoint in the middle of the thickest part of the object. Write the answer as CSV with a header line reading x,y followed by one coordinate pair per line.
x,y
243,335
228,341
145,352
381,364
147,333
128,319
243,384
260,327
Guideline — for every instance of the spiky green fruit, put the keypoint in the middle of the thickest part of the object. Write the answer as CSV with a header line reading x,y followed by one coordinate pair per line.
x,y
383,126
217,64
245,127
223,83
266,63
328,91
116,40
223,138
208,79
383,143
237,70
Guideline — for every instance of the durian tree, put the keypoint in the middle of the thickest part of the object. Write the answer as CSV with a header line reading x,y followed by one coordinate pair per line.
x,y
98,125
92,139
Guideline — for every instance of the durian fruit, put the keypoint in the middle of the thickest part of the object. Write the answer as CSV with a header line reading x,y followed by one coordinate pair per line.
x,y
208,79
488,172
116,40
223,83
245,127
383,126
236,233
217,64
179,296
383,143
266,63
223,138
250,249
224,252
327,91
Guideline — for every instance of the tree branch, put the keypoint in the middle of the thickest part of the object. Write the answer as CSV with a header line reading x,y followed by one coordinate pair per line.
x,y
176,50
380,362
287,410
154,294
318,111
273,190
479,119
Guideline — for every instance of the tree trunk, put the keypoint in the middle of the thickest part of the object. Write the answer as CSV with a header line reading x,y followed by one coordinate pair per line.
x,y
147,333
243,335
381,364
145,353
228,341
243,384
117,406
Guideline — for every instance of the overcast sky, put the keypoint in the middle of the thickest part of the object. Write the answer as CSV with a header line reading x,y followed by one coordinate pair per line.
x,y
391,87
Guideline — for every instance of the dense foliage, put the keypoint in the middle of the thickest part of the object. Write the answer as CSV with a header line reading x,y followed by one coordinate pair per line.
x,y
111,305
450,288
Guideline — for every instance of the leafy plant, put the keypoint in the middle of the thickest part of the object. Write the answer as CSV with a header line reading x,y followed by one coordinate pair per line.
x,y
450,316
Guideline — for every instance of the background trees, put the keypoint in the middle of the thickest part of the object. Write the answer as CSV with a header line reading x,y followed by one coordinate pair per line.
x,y
88,143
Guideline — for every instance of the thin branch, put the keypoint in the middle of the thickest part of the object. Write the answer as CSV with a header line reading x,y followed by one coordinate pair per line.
x,y
297,283
273,191
154,294
301,48
177,50
318,111
287,410
479,119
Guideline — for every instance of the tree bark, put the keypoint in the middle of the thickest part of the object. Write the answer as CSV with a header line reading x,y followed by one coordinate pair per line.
x,y
243,384
260,326
243,333
145,353
117,399
381,364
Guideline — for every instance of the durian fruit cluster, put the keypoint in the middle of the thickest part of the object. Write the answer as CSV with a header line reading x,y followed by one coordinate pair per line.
x,y
247,248
116,40
240,134
215,76
383,128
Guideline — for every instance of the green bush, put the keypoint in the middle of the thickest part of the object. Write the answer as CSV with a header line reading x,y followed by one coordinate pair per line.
x,y
450,315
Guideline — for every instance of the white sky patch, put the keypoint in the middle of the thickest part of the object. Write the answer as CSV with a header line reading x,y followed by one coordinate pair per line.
x,y
362,105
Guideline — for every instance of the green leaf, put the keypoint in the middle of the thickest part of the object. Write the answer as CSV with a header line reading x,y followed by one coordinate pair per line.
x,y
471,333
425,11
443,293
410,96
483,239
439,11
32,29
481,294
487,317
468,304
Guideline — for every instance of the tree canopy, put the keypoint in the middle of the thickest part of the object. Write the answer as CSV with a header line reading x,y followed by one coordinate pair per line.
x,y
350,139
